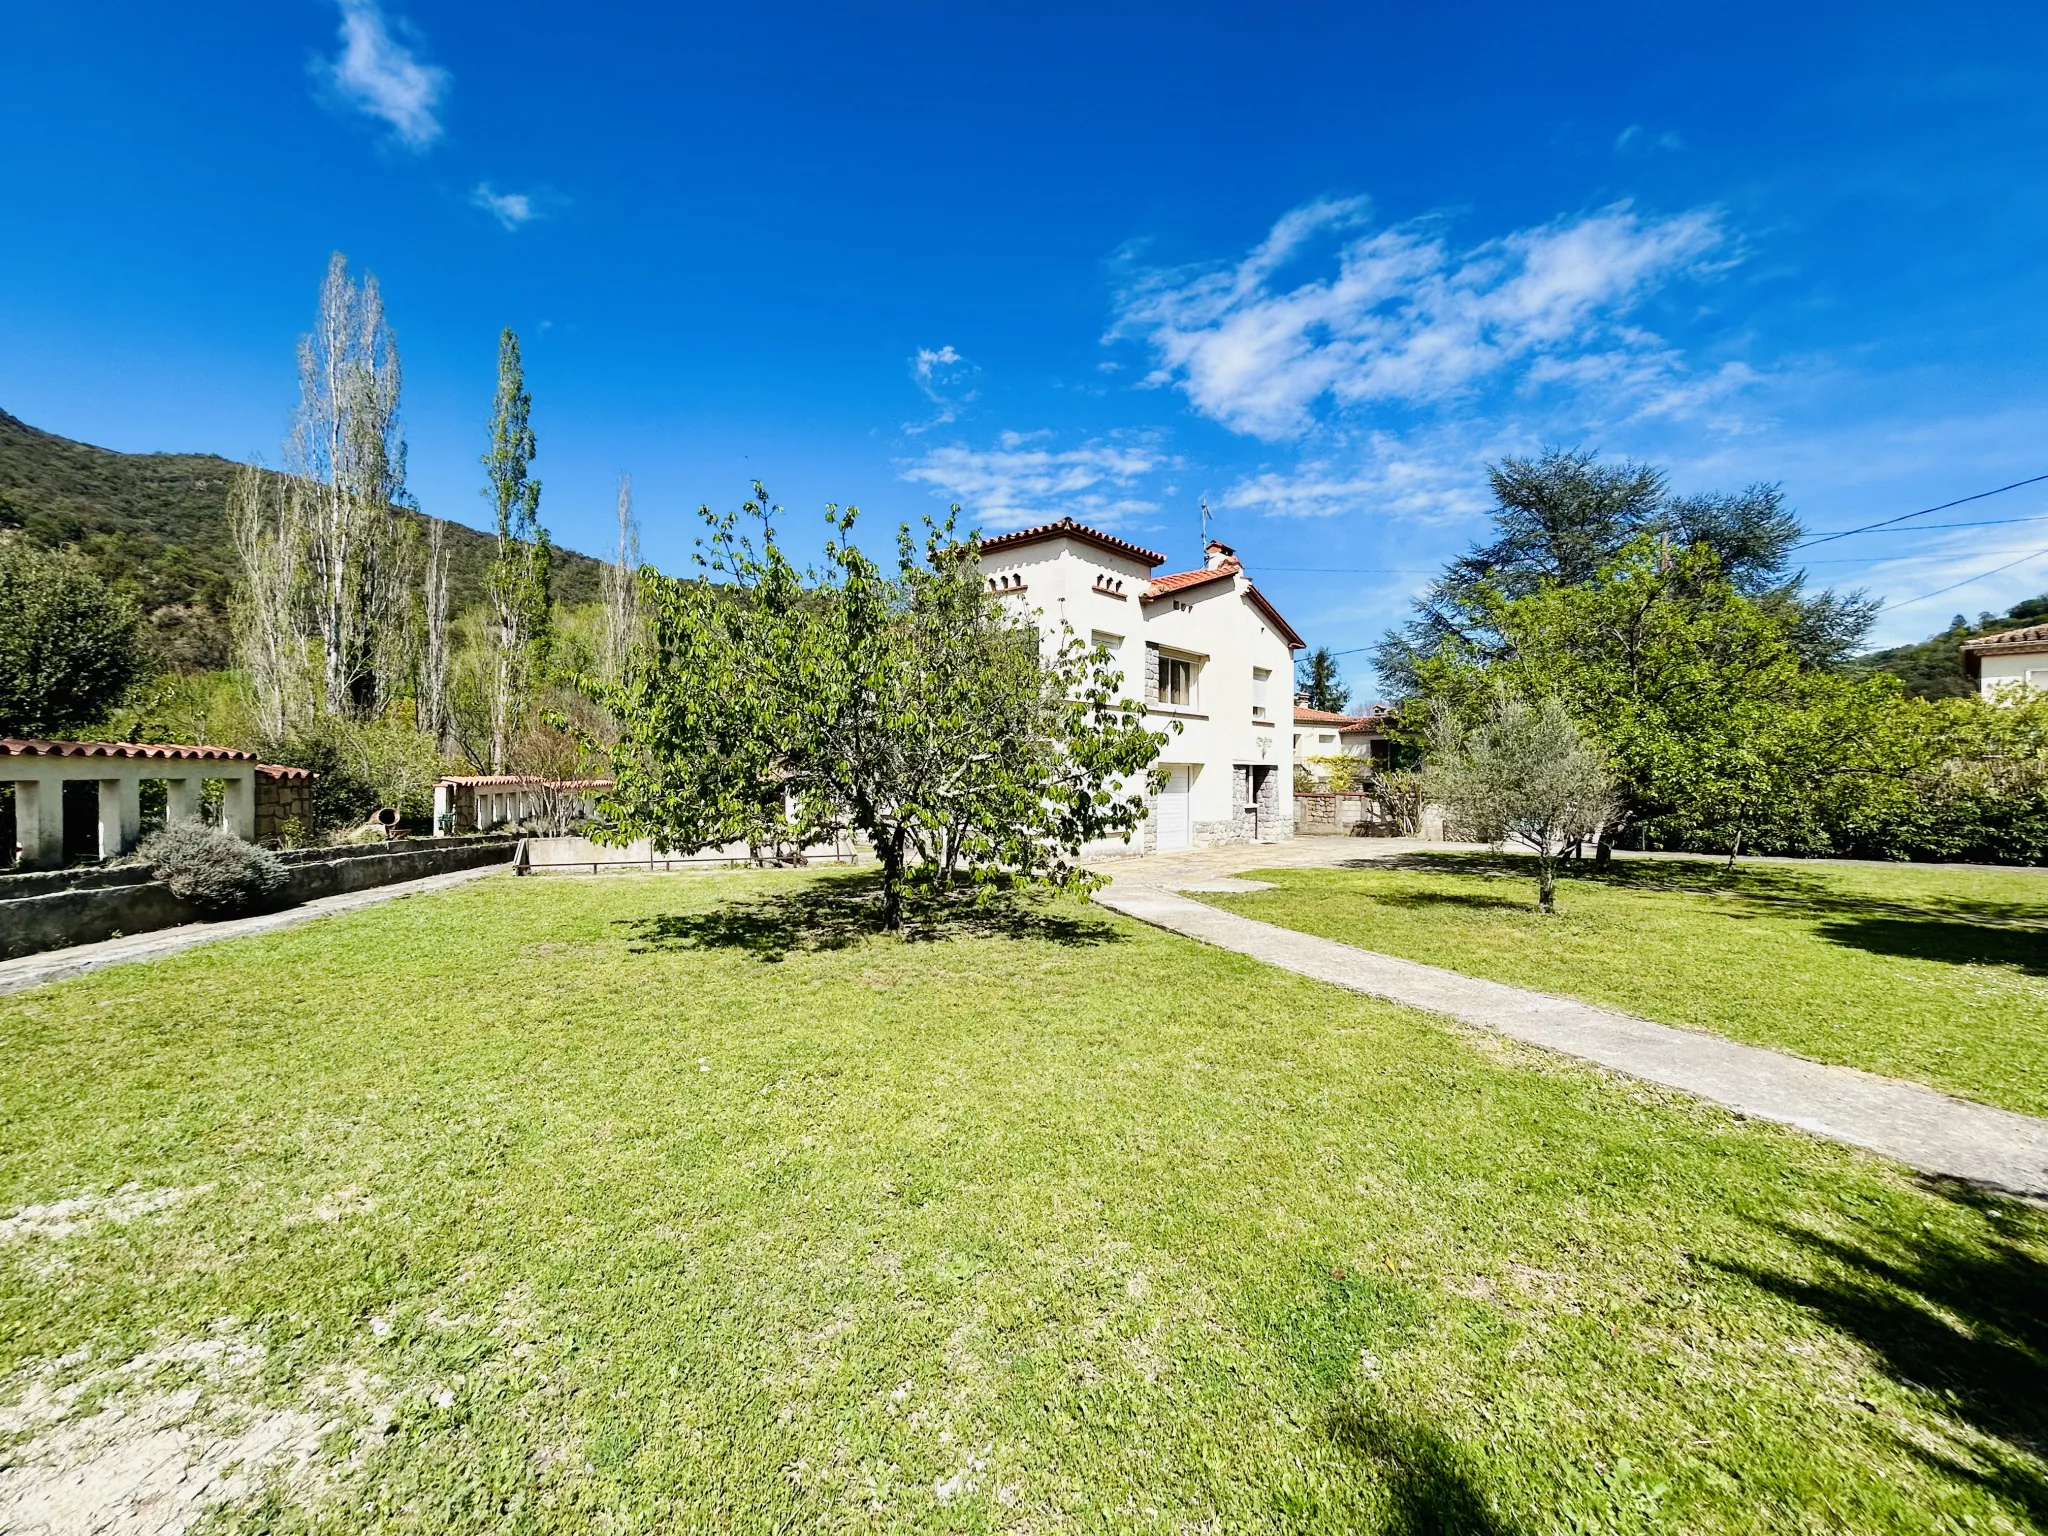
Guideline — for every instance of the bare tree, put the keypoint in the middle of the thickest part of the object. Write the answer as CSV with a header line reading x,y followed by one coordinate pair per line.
x,y
1523,773
347,455
269,617
433,710
621,591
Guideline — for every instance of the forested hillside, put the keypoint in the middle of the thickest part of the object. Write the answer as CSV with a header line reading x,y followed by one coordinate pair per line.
x,y
1933,668
157,523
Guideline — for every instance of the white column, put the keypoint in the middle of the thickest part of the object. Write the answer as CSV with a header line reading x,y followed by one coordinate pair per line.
x,y
120,814
181,801
238,804
39,822
444,809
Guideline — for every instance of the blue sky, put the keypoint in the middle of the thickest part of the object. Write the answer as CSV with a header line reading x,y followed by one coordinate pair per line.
x,y
1315,264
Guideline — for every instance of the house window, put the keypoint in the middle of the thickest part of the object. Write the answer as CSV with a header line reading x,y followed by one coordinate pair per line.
x,y
1176,680
1260,678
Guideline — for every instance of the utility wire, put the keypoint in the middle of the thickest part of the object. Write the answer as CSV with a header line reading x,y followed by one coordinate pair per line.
x,y
1966,581
1829,538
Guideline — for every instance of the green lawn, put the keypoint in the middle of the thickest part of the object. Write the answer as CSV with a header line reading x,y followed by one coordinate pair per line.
x,y
686,1203
1915,971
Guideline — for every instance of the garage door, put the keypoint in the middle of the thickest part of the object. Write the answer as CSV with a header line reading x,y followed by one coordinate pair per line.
x,y
1176,822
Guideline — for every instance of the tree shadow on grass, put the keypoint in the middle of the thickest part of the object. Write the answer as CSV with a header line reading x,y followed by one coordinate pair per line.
x,y
1430,1487
1749,890
1966,1321
841,912
1958,943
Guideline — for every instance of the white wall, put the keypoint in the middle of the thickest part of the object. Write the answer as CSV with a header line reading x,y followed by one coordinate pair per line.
x,y
1065,581
2008,675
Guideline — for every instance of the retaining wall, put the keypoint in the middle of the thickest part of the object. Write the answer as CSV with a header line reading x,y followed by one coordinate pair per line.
x,y
59,908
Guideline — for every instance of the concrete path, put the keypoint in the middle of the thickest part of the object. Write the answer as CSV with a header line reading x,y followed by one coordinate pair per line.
x,y
60,964
1921,1128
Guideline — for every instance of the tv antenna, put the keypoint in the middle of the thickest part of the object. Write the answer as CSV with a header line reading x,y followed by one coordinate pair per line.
x,y
1207,515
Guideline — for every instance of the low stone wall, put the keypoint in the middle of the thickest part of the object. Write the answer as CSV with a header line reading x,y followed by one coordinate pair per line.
x,y
57,909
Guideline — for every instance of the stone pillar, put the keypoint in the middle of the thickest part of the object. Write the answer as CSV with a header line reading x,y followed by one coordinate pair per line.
x,y
120,815
39,822
238,804
181,801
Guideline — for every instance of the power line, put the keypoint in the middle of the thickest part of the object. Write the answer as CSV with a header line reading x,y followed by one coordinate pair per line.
x,y
1924,596
1829,538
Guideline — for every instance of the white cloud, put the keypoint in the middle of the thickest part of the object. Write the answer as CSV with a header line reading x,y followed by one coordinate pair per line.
x,y
1020,481
510,209
378,74
1635,137
943,376
1404,320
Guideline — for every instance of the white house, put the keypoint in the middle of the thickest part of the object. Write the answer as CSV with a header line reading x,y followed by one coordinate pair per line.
x,y
1328,733
2007,665
1203,647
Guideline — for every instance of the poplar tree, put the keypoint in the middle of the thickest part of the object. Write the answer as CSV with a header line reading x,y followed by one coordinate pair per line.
x,y
621,591
346,458
519,577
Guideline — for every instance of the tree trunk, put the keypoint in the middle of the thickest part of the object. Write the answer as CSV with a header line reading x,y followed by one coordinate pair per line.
x,y
1603,853
1735,849
891,850
1546,885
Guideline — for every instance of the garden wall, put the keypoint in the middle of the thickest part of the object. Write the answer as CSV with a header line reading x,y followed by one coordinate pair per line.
x,y
54,909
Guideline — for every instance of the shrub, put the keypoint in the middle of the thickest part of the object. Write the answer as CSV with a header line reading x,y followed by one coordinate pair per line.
x,y
213,869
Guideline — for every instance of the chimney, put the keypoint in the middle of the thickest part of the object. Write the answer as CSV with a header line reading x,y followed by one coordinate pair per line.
x,y
1215,554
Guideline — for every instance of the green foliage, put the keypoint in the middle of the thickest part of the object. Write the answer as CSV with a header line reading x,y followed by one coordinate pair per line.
x,y
156,525
779,706
520,577
1316,677
212,868
362,766
1522,772
69,648
1559,519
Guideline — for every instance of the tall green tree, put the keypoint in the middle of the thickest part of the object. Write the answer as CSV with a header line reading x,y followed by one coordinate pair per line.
x,y
781,706
1560,517
1317,679
70,650
519,578
1718,732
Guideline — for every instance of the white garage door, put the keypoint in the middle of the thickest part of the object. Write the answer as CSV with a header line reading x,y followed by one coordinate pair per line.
x,y
1176,822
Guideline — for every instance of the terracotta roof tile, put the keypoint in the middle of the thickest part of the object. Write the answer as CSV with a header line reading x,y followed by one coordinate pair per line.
x,y
17,746
1067,528
516,781
1180,581
2032,635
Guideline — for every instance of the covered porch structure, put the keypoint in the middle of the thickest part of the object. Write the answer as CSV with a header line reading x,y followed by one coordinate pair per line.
x,y
39,771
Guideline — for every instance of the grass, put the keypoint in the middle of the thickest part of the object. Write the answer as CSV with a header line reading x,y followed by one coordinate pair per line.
x,y
689,1203
1914,971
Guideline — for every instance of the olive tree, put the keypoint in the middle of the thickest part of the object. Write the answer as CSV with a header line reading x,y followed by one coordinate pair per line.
x,y
1522,773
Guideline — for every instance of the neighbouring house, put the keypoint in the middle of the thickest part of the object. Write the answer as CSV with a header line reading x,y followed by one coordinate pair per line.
x,y
482,802
2008,666
1328,733
81,801
1204,648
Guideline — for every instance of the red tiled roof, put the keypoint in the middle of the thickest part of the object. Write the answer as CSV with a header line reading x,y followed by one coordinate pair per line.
x,y
2034,635
1180,581
288,774
1346,724
16,746
516,780
1067,528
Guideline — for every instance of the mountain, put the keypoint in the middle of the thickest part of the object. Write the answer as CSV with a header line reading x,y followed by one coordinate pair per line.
x,y
157,524
1933,668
